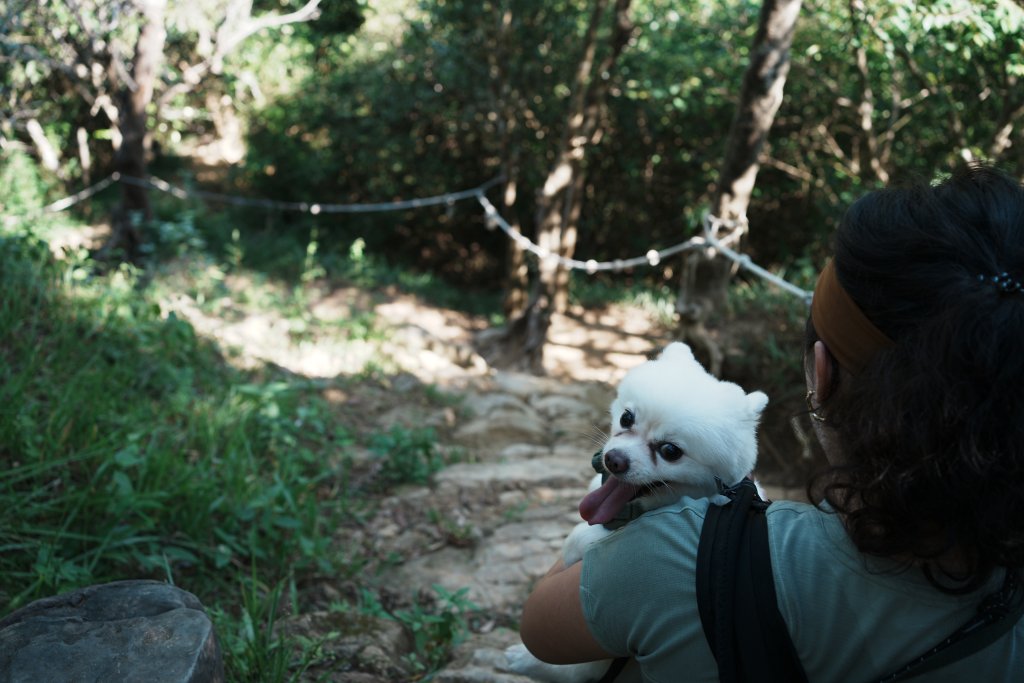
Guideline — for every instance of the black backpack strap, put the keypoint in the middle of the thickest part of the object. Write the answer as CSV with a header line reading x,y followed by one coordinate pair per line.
x,y
736,593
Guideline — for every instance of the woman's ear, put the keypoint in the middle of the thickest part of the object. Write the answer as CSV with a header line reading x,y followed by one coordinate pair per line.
x,y
822,370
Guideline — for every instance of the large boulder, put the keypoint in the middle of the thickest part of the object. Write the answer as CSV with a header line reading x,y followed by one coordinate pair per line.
x,y
121,631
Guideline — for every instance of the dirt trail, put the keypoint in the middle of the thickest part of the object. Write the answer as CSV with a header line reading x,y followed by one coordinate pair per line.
x,y
492,523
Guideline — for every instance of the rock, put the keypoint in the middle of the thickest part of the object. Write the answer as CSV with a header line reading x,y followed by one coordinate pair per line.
x,y
121,631
560,406
481,659
526,386
499,569
353,648
503,427
522,451
487,403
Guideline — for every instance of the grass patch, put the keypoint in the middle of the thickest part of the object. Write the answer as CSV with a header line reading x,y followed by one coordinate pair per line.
x,y
130,449
302,250
595,291
408,456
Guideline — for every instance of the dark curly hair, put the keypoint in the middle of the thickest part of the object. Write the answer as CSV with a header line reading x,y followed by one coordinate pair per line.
x,y
932,430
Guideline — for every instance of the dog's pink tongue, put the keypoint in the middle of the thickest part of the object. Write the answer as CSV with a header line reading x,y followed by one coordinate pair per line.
x,y
601,505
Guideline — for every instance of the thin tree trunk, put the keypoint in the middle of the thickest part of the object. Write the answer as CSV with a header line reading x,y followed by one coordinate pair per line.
x,y
130,159
84,157
517,272
559,203
49,157
705,280
868,163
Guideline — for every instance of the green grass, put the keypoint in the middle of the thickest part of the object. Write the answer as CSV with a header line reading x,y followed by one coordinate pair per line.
x,y
128,442
130,449
658,302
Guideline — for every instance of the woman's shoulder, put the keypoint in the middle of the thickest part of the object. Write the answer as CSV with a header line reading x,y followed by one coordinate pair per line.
x,y
810,533
839,603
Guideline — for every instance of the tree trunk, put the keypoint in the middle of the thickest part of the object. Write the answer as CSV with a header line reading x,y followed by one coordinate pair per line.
x,y
130,159
704,282
867,161
517,270
559,203
506,110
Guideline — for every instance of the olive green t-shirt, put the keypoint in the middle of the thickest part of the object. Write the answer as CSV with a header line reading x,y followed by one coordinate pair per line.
x,y
851,621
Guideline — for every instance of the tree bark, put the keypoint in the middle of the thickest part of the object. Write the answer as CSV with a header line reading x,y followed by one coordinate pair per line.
x,y
506,109
868,163
131,157
49,157
559,203
237,26
705,279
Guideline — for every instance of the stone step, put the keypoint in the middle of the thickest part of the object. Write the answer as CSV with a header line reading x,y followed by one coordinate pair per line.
x,y
548,471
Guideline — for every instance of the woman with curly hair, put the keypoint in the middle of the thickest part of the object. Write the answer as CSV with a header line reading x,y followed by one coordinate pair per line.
x,y
914,359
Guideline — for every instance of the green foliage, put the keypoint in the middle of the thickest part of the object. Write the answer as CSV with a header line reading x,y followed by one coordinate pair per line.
x,y
254,650
129,446
436,630
407,456
658,302
24,190
399,99
129,449
766,325
436,627
472,85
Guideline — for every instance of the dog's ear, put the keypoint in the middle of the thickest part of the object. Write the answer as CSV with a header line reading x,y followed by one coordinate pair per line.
x,y
756,401
677,351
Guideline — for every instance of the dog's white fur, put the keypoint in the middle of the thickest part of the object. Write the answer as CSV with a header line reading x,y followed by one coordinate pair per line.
x,y
662,405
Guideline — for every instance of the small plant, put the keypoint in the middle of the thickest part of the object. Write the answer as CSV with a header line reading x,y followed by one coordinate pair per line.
x,y
437,629
178,235
24,190
407,456
441,397
455,532
311,268
253,646
436,626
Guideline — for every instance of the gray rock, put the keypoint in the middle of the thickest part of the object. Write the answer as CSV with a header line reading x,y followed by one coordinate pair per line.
x,y
121,631
501,427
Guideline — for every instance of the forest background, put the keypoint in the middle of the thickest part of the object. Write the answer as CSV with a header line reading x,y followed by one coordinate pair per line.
x,y
351,101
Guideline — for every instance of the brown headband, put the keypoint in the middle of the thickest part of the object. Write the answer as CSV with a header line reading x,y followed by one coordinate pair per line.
x,y
839,322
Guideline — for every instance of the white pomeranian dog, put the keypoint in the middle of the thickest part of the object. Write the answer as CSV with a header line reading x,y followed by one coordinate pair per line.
x,y
676,430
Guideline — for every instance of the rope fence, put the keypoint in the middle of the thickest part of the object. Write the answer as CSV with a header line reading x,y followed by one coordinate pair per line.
x,y
709,241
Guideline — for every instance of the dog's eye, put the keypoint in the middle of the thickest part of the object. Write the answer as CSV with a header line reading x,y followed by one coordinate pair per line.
x,y
627,419
670,451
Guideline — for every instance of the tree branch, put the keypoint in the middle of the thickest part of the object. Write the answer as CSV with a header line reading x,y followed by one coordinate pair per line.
x,y
228,40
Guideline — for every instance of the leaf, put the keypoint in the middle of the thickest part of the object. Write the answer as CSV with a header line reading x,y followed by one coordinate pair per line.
x,y
128,456
121,484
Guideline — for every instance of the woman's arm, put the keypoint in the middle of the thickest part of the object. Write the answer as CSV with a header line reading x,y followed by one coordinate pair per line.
x,y
553,627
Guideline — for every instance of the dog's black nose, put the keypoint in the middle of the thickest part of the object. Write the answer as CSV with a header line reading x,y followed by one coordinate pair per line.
x,y
616,461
